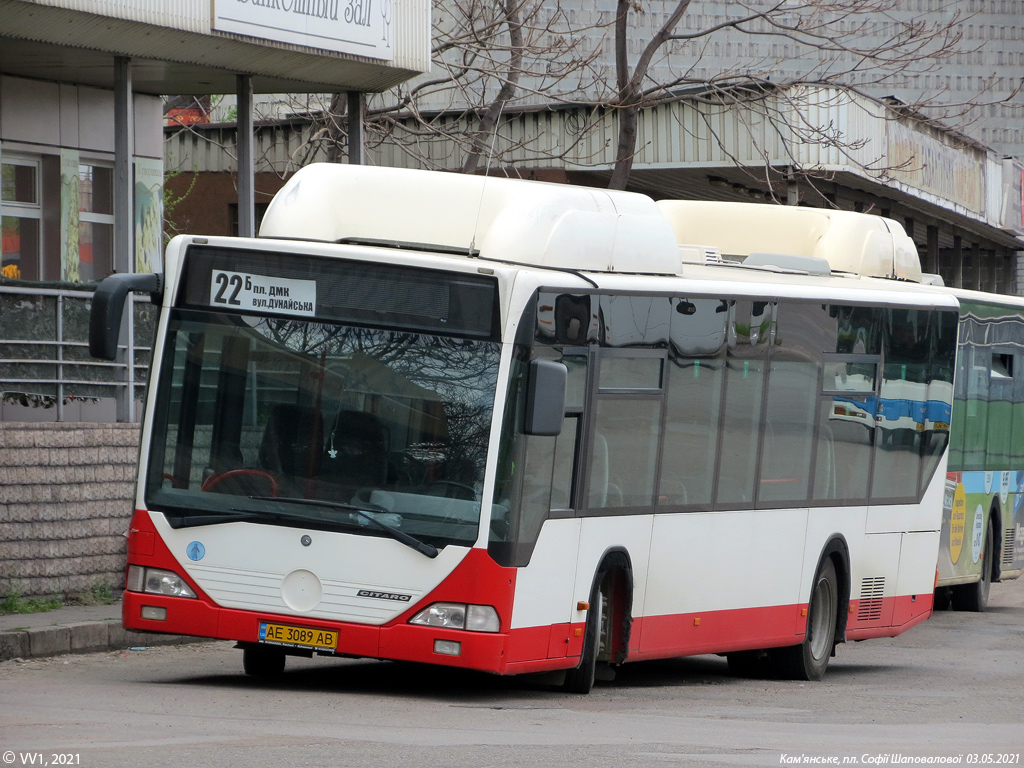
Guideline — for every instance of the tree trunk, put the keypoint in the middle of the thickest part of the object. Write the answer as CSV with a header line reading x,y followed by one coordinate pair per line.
x,y
505,93
630,96
625,150
335,136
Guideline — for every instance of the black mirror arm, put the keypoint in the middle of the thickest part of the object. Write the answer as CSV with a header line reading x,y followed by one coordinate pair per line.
x,y
108,305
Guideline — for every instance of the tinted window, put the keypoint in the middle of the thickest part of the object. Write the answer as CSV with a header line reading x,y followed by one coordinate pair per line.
x,y
802,332
626,437
842,467
748,330
635,320
695,374
630,372
902,403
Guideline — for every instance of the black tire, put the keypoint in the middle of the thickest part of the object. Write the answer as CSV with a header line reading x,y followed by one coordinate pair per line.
x,y
581,679
748,663
809,659
261,661
974,597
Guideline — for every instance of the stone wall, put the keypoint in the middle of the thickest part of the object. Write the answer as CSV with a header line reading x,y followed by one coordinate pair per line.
x,y
66,498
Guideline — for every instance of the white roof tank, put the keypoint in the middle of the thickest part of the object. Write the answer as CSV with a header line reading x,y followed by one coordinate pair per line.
x,y
850,242
529,222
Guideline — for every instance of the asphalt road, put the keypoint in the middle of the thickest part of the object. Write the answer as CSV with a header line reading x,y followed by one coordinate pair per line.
x,y
951,689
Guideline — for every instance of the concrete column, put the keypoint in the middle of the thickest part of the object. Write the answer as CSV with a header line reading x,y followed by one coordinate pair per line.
x,y
957,276
356,130
931,254
124,226
246,172
975,280
124,182
1007,280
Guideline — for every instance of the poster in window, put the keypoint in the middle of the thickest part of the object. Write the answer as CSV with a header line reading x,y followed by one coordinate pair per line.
x,y
69,207
149,213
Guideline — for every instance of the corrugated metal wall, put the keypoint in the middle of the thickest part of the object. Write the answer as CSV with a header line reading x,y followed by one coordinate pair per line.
x,y
819,129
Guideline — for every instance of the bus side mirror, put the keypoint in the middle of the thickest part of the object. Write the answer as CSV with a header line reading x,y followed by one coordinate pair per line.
x,y
545,398
108,306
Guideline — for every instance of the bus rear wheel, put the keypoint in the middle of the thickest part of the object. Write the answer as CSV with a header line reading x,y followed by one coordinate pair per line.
x,y
809,659
261,661
974,597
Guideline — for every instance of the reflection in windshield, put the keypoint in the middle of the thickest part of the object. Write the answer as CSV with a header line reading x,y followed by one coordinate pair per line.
x,y
263,407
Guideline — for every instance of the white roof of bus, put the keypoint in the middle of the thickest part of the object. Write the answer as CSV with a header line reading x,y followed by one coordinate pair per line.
x,y
508,220
850,242
717,280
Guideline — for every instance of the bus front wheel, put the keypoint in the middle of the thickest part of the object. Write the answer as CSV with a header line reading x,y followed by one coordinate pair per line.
x,y
809,659
261,661
581,679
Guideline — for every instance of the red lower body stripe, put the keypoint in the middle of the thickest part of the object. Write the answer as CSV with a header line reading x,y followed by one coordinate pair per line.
x,y
478,579
528,649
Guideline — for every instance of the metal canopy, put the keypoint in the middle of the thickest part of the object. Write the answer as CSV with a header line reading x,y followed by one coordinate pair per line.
x,y
738,185
73,47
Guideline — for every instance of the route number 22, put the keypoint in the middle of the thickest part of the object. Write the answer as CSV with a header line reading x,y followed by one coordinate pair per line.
x,y
235,284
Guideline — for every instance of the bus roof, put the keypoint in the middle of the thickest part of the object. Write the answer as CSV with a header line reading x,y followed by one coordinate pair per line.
x,y
857,243
509,220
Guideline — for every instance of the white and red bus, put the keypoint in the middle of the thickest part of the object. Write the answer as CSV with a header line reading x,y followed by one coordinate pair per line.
x,y
982,537
504,425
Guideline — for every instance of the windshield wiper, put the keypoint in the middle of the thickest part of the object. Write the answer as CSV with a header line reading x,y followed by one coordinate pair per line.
x,y
236,515
420,546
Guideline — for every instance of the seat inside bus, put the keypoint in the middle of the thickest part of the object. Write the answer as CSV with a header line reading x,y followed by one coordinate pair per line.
x,y
291,446
355,455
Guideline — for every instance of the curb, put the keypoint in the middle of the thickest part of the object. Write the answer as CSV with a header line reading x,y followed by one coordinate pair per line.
x,y
85,637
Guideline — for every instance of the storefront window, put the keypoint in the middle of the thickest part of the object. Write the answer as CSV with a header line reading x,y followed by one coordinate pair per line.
x,y
19,224
95,222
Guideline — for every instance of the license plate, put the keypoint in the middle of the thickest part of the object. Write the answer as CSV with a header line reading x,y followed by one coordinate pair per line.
x,y
298,637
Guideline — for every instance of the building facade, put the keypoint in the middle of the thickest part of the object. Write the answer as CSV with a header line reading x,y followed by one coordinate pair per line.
x,y
81,156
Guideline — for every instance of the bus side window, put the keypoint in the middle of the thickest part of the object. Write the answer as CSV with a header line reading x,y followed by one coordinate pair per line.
x,y
942,332
901,405
1000,415
693,405
535,473
802,331
627,419
745,363
1017,441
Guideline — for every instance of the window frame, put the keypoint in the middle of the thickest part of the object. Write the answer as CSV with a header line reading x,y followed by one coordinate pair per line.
x,y
15,209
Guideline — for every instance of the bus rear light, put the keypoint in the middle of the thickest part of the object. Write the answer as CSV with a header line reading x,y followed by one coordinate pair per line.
x,y
156,581
475,618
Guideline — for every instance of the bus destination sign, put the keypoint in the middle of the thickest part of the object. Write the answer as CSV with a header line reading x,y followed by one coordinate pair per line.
x,y
261,293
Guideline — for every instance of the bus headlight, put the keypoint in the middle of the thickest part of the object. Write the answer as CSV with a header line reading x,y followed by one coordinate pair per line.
x,y
475,618
156,581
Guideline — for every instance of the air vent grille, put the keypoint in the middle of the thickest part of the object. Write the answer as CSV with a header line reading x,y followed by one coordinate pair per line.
x,y
871,591
1009,546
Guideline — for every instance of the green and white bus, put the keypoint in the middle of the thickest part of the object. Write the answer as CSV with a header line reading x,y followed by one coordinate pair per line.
x,y
983,522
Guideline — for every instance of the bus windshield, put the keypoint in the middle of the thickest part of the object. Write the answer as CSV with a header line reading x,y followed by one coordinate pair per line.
x,y
257,416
